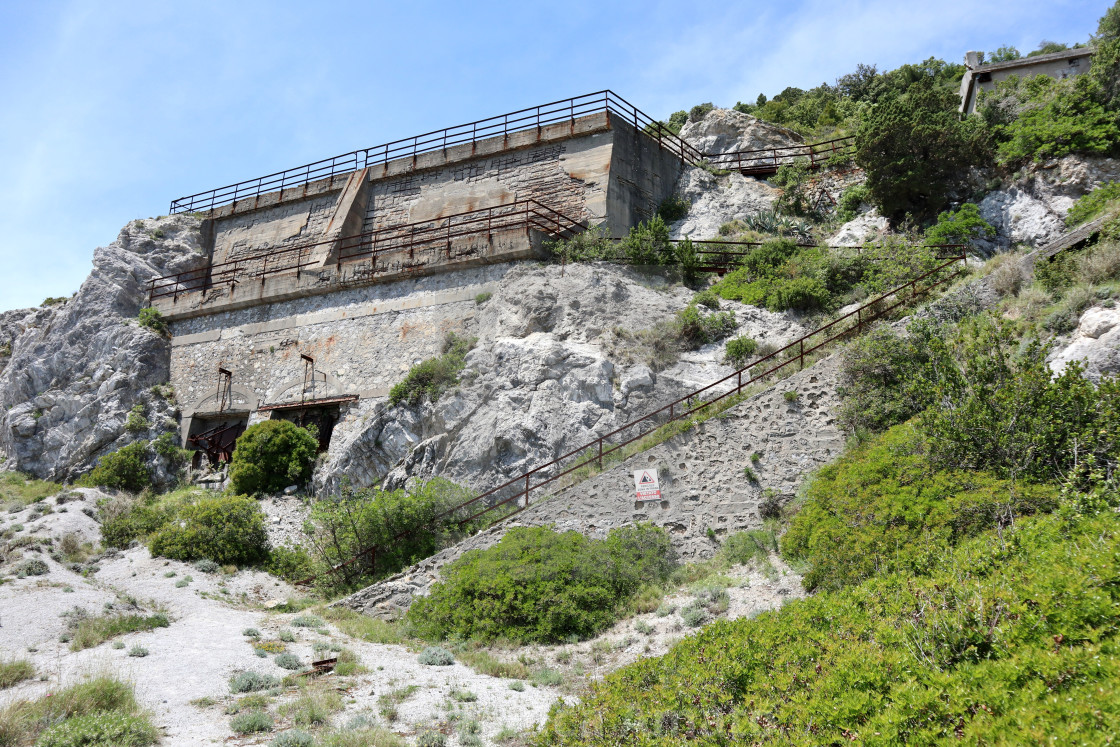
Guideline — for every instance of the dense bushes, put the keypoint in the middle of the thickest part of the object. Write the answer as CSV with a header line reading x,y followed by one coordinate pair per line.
x,y
225,529
782,275
961,227
270,456
1011,639
916,149
1091,205
98,712
540,585
429,379
123,469
357,520
884,508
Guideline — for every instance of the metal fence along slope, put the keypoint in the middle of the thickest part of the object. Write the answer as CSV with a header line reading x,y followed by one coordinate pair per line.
x,y
515,495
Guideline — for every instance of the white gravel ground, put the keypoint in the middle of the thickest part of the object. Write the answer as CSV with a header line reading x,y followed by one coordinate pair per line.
x,y
203,647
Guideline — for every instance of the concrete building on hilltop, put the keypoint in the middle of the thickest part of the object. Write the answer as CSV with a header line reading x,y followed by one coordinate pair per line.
x,y
984,77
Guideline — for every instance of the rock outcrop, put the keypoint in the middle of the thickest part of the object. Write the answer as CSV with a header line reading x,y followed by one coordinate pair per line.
x,y
75,370
1032,210
726,130
1095,342
715,200
550,372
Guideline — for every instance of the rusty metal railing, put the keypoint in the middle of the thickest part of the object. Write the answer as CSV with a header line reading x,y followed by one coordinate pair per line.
x,y
767,160
376,246
503,125
519,489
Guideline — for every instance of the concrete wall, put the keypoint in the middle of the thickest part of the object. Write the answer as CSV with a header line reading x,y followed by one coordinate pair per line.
x,y
642,176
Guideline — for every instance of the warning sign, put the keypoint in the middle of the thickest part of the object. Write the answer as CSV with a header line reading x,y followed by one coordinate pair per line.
x,y
645,480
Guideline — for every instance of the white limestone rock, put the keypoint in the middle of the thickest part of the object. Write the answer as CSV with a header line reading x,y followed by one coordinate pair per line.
x,y
726,130
543,379
861,228
716,200
1033,208
1095,342
76,369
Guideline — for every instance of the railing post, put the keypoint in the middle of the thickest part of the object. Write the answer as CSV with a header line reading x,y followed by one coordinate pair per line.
x,y
801,345
600,453
526,490
859,320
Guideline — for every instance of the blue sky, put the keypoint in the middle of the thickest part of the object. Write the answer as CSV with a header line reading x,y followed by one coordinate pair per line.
x,y
112,109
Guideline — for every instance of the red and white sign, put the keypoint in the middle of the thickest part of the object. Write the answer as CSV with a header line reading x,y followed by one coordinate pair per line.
x,y
645,481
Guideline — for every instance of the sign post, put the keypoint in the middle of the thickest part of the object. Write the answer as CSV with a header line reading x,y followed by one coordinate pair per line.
x,y
645,482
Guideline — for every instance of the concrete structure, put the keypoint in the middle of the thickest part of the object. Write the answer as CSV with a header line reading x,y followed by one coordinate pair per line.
x,y
320,295
980,77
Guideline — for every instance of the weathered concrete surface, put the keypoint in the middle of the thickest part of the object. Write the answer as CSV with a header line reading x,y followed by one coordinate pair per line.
x,y
703,483
77,369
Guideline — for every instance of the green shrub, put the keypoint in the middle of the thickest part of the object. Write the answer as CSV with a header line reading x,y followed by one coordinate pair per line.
x,y
33,567
101,729
290,563
961,227
648,244
850,201
251,682
225,529
740,350
483,297
695,329
709,299
93,631
136,421
698,112
21,721
1094,203
138,651
434,656
288,661
293,738
673,208
207,566
136,522
123,469
915,149
431,378
14,671
251,722
780,275
372,517
153,320
22,490
540,585
307,621
882,508
270,456
794,180
1054,118
1055,273
1021,622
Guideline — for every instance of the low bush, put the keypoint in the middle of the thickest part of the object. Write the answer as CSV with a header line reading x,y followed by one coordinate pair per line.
x,y
851,200
293,738
961,227
288,661
92,631
101,729
740,351
1090,205
33,567
138,651
224,529
152,319
434,656
540,585
250,682
251,722
22,490
14,671
123,469
270,456
307,621
883,508
673,208
429,379
290,563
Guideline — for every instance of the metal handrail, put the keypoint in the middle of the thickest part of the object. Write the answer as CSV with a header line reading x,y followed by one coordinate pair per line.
x,y
679,409
535,117
372,245
769,159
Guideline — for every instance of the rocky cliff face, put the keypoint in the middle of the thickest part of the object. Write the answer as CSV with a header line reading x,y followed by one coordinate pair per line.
x,y
550,372
1095,343
726,130
76,369
1032,209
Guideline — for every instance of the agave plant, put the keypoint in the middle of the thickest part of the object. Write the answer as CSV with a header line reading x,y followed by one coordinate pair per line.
x,y
769,221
